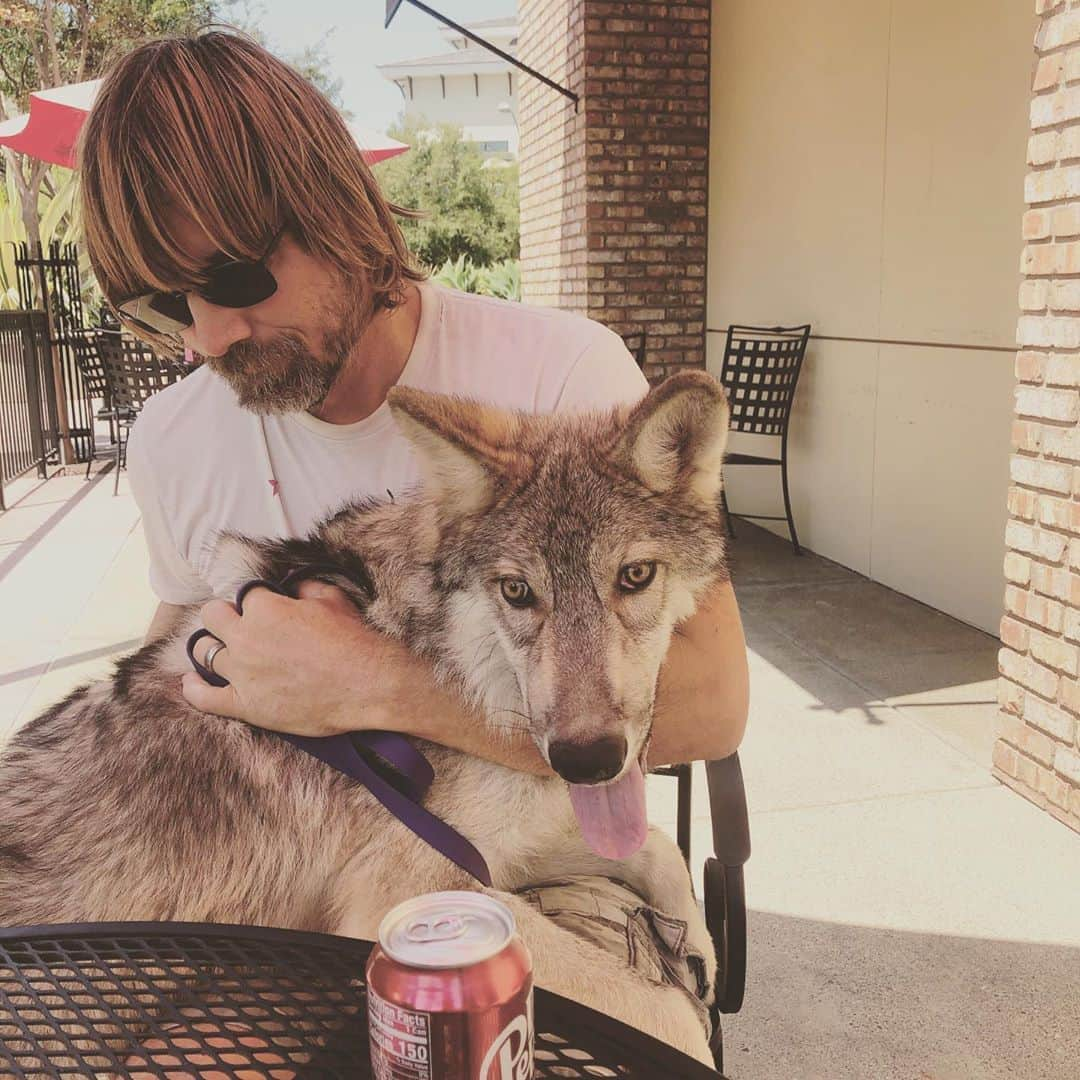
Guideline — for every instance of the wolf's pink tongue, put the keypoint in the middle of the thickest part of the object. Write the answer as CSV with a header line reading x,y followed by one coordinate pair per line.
x,y
612,816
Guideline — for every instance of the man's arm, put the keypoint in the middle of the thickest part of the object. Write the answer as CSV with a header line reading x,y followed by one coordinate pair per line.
x,y
367,680
703,699
164,621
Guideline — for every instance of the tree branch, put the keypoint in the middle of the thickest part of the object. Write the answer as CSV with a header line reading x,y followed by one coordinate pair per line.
x,y
7,74
40,62
15,163
84,38
52,59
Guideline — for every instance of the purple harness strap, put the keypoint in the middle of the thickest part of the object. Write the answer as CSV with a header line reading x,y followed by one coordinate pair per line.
x,y
354,755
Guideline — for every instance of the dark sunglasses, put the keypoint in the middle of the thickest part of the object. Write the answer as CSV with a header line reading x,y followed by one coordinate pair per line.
x,y
230,283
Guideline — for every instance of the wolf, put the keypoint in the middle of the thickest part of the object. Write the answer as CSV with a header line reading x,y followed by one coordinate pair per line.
x,y
542,566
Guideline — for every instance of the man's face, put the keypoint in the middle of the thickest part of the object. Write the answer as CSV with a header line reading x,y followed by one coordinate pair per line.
x,y
283,354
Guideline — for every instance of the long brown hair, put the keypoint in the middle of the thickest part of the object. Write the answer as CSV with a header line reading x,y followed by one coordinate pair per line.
x,y
214,129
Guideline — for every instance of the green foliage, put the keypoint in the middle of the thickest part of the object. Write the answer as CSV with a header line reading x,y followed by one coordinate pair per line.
x,y
502,279
469,210
460,274
44,45
58,219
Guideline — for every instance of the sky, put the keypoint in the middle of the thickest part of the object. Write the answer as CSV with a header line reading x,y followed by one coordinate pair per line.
x,y
357,42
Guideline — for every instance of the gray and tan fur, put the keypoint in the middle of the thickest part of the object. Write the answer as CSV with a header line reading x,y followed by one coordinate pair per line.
x,y
123,803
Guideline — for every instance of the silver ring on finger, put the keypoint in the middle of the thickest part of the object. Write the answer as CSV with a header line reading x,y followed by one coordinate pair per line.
x,y
211,653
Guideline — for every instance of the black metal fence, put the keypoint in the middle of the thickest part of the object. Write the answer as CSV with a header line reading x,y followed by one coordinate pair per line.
x,y
49,281
28,414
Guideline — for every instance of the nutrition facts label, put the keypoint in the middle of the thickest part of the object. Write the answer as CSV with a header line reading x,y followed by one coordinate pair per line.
x,y
400,1041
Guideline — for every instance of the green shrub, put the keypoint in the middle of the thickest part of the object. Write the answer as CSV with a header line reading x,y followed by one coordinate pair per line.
x,y
502,280
468,207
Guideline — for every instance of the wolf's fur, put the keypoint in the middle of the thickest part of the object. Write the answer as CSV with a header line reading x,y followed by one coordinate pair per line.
x,y
122,802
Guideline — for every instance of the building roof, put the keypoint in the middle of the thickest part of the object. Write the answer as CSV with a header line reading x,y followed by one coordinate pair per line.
x,y
458,62
498,30
493,24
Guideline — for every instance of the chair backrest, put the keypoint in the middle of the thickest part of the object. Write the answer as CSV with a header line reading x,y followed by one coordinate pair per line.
x,y
760,371
91,369
134,372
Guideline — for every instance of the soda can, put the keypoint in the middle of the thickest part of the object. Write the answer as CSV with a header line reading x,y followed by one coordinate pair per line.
x,y
450,992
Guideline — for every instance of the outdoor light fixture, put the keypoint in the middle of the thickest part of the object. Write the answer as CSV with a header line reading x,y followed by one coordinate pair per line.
x,y
392,9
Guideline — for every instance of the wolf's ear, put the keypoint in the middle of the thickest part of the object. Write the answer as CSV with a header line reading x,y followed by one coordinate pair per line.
x,y
462,445
675,437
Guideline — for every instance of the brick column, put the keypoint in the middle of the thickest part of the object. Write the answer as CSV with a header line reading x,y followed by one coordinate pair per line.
x,y
1037,751
614,198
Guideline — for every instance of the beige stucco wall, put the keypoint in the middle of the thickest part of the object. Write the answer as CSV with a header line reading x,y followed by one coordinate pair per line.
x,y
867,165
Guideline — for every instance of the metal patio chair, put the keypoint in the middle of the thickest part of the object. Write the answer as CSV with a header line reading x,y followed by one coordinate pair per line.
x,y
725,895
133,373
95,383
760,372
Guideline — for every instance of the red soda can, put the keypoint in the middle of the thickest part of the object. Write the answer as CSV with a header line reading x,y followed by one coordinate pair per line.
x,y
450,992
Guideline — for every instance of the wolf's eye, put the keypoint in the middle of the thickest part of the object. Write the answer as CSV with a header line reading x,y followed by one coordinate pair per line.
x,y
635,576
516,592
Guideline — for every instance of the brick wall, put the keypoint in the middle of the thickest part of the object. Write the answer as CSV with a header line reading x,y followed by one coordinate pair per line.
x,y
614,197
1038,749
552,153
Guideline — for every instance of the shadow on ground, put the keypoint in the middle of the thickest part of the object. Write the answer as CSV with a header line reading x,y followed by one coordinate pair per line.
x,y
902,1006
853,643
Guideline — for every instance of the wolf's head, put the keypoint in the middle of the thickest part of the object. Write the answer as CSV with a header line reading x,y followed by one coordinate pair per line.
x,y
569,549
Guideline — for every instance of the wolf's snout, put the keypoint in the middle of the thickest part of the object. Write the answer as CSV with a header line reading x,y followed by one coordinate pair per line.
x,y
588,763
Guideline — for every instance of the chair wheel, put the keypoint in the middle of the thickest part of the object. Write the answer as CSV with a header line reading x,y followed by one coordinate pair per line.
x,y
725,915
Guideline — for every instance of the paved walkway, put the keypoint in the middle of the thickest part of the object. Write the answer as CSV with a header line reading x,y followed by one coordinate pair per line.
x,y
73,590
910,918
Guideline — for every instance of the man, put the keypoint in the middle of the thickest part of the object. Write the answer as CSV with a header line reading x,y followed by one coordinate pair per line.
x,y
227,209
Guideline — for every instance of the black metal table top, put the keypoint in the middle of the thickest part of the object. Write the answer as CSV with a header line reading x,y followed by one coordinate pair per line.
x,y
206,1002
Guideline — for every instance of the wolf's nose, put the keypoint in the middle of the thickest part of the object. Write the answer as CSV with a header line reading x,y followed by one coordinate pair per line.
x,y
588,763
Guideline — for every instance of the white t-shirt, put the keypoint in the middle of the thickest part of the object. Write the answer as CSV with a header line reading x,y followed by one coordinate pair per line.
x,y
200,464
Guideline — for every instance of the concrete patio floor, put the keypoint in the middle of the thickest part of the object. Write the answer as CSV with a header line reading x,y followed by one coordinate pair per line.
x,y
910,917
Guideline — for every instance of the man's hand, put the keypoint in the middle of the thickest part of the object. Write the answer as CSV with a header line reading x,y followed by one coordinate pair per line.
x,y
309,666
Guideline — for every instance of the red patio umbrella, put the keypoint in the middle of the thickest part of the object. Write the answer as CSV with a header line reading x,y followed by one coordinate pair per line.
x,y
51,128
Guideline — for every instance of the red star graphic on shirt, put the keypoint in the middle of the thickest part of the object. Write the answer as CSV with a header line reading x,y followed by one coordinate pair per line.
x,y
275,487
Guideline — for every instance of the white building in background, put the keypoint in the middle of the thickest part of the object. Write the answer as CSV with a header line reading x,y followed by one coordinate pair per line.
x,y
468,86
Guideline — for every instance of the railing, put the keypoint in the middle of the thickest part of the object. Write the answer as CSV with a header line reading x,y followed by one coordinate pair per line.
x,y
49,280
28,416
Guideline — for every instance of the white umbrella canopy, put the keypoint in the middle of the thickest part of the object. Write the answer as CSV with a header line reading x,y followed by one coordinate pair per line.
x,y
50,129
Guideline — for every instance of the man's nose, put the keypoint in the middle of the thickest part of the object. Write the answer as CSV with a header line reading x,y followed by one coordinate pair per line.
x,y
588,763
215,329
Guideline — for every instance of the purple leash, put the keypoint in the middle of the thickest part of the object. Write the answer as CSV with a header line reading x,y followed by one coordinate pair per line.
x,y
357,755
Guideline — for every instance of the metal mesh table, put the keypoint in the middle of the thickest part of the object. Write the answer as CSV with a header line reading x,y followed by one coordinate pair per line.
x,y
181,1000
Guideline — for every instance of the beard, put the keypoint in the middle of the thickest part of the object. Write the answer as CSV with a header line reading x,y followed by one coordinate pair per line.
x,y
283,374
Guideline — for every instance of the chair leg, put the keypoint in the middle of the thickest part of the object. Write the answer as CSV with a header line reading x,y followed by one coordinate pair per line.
x,y
685,796
91,442
727,514
716,1043
119,452
787,504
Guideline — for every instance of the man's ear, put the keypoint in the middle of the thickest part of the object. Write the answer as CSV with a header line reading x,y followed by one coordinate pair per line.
x,y
463,446
675,437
